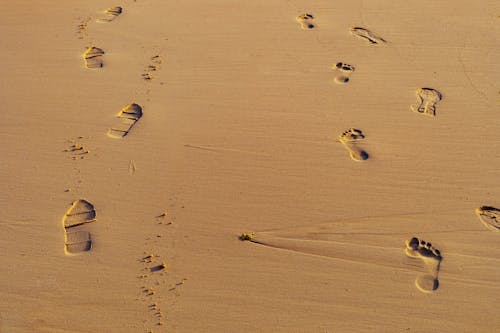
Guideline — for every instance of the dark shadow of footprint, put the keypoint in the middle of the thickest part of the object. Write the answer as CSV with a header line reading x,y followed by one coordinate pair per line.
x,y
351,139
427,98
93,57
128,116
431,257
77,235
306,21
110,14
489,217
367,35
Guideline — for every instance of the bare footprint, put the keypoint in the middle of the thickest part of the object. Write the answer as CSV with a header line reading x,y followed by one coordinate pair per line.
x,y
431,257
305,21
367,35
345,71
129,115
93,57
77,235
489,216
350,139
427,98
110,14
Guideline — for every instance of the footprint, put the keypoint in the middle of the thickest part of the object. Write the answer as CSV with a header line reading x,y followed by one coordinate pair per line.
x,y
78,238
367,35
305,21
431,256
350,139
110,14
152,67
129,115
489,216
76,150
427,99
81,29
93,57
345,69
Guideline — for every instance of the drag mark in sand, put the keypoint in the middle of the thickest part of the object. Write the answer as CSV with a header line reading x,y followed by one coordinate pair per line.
x,y
427,98
128,116
367,35
431,257
351,139
77,236
489,217
306,21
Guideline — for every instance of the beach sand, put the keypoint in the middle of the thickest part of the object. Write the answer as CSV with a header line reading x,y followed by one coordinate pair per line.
x,y
139,143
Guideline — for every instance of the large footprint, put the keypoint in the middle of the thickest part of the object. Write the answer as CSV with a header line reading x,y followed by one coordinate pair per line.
x,y
427,99
110,14
350,139
431,257
128,116
77,235
367,35
489,216
93,57
305,21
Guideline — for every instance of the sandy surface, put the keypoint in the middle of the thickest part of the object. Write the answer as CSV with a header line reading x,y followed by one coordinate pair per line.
x,y
242,116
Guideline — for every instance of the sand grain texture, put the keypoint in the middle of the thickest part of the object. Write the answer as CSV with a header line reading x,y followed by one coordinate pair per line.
x,y
240,134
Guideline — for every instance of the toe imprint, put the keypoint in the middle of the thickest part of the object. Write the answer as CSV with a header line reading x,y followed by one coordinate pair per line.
x,y
489,216
427,98
367,35
305,21
129,115
431,257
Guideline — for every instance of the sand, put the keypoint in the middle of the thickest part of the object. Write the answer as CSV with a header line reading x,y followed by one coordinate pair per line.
x,y
140,142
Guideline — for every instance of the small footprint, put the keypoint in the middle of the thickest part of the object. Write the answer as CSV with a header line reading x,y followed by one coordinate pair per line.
x,y
305,21
129,115
345,69
152,67
93,57
77,236
427,98
110,14
350,139
81,29
431,257
489,216
76,150
367,35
